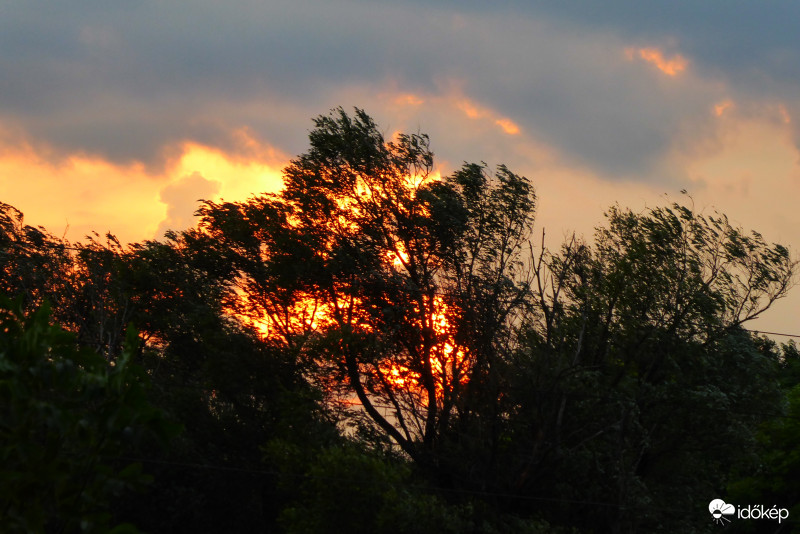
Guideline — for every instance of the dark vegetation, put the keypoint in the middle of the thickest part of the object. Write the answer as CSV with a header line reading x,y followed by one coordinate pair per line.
x,y
372,350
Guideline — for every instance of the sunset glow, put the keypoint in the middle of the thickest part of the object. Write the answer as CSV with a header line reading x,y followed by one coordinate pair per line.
x,y
131,129
474,111
80,194
409,99
722,107
448,361
128,198
508,126
670,66
399,266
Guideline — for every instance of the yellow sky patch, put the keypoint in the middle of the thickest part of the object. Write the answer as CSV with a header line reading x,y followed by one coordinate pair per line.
x,y
239,177
82,194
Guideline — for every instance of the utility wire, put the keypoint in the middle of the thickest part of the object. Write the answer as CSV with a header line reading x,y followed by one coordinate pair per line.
x,y
770,333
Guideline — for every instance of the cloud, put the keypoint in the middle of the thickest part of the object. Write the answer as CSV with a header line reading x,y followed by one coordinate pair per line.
x,y
130,84
240,175
181,198
474,111
752,173
109,82
723,106
80,194
671,67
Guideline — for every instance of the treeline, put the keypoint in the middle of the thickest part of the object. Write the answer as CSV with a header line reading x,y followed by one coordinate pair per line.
x,y
374,350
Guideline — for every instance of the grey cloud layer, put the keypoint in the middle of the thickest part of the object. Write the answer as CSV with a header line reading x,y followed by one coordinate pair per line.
x,y
123,80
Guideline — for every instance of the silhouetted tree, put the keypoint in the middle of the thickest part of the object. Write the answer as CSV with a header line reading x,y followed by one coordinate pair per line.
x,y
379,348
637,389
401,291
69,417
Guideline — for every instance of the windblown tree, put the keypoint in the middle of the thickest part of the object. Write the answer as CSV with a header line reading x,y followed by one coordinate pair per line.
x,y
401,290
608,386
638,387
597,374
230,391
33,262
69,423
83,282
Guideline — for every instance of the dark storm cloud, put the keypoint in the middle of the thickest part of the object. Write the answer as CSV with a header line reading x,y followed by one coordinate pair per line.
x,y
752,44
125,79
736,37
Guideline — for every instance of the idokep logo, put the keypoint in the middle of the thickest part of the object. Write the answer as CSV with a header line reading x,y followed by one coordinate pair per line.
x,y
719,509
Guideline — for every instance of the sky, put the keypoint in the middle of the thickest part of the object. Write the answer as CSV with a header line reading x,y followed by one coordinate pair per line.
x,y
120,115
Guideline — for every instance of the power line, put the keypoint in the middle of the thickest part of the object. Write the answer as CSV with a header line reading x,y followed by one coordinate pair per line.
x,y
770,333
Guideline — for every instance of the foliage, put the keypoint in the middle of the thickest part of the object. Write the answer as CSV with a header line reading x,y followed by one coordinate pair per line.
x,y
231,392
778,460
347,489
398,289
33,263
379,348
68,416
637,382
571,378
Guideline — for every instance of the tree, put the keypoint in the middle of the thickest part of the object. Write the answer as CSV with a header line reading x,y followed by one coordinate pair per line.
x,y
400,290
81,281
33,262
777,466
231,392
638,386
67,418
420,307
377,323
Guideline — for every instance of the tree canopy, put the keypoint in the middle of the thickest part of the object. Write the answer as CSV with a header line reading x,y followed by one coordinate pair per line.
x,y
384,348
400,289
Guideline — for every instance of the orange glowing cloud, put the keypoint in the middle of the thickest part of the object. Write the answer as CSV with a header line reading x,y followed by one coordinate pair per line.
x,y
669,66
408,99
508,126
474,111
81,194
784,114
240,177
470,110
723,106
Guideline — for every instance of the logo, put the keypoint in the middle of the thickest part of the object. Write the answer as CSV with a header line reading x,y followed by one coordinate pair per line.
x,y
719,509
